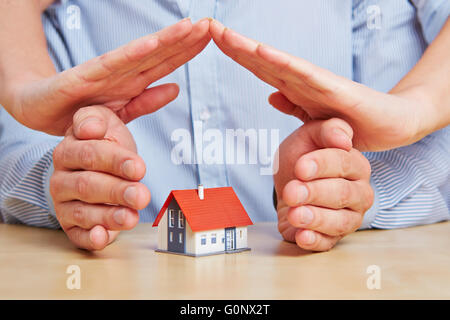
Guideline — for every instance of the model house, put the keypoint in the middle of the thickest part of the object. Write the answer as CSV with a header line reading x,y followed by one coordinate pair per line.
x,y
202,221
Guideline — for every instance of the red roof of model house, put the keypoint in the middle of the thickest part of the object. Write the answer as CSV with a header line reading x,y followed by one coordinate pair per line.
x,y
219,209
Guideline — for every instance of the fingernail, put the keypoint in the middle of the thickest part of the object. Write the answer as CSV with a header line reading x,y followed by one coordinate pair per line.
x,y
130,195
302,194
119,216
311,169
129,169
310,237
88,121
341,133
306,215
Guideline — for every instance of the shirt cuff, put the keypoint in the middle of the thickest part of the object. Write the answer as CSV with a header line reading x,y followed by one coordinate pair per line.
x,y
48,196
370,215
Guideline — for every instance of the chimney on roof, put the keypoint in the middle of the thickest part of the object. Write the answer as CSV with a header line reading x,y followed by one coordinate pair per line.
x,y
201,192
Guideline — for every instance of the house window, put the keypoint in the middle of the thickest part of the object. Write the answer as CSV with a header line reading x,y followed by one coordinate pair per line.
x,y
223,240
180,219
171,218
203,239
170,236
180,238
240,233
213,238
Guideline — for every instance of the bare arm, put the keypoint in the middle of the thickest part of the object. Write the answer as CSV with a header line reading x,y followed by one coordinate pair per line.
x,y
417,106
429,80
42,99
23,48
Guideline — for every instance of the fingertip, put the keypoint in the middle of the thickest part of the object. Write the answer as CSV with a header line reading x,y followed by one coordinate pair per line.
x,y
295,193
143,197
216,28
274,97
305,238
131,219
185,21
140,169
293,216
98,237
306,169
342,139
204,22
337,133
173,89
90,128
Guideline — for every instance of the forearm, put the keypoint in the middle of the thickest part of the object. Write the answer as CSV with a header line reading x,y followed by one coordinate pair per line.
x,y
429,82
23,47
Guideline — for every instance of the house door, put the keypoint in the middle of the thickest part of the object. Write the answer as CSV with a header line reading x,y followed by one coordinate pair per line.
x,y
176,228
230,239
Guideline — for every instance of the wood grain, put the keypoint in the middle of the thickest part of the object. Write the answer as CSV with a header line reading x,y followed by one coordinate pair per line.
x,y
414,262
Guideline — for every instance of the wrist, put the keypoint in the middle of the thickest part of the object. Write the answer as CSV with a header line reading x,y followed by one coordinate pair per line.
x,y
12,87
423,109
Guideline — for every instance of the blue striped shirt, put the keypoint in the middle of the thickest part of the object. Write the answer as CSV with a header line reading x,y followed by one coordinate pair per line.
x,y
373,42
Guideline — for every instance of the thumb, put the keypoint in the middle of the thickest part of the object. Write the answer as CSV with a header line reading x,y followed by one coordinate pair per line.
x,y
279,101
332,133
91,122
149,101
100,122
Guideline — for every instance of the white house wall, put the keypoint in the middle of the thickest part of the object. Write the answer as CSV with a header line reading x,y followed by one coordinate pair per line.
x,y
241,237
189,240
209,247
162,232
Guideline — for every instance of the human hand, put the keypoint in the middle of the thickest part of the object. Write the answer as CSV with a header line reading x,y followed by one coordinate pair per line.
x,y
95,186
380,121
322,185
117,79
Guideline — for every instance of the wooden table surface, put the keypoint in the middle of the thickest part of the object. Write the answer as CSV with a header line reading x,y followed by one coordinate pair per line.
x,y
414,263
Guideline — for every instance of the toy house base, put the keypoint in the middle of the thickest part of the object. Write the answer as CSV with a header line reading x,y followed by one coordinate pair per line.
x,y
204,254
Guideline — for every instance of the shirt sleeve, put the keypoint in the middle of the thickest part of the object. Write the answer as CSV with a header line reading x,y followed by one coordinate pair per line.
x,y
432,15
25,168
411,184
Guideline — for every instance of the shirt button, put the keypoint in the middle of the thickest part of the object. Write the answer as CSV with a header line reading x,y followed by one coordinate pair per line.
x,y
205,115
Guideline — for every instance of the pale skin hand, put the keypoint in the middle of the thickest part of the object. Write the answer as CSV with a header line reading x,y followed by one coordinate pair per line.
x,y
95,186
117,79
380,121
323,185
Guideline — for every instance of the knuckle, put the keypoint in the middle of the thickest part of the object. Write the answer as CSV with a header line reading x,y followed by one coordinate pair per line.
x,y
318,221
104,61
344,194
369,197
82,184
128,52
79,215
114,194
58,154
55,185
344,225
345,163
87,156
367,167
107,217
171,66
75,237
